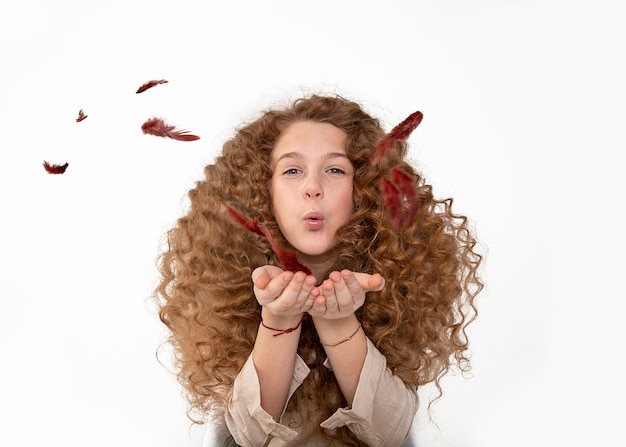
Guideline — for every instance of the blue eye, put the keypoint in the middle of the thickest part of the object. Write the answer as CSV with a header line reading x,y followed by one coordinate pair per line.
x,y
291,171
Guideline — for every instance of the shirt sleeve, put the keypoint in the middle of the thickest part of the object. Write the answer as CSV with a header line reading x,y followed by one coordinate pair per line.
x,y
248,423
383,408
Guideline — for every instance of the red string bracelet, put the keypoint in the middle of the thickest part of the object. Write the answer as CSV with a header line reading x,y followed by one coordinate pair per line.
x,y
283,331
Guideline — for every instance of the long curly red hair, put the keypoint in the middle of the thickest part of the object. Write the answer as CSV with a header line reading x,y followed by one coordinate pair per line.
x,y
205,298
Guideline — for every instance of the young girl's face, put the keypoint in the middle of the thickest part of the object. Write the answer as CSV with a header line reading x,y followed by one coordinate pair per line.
x,y
311,186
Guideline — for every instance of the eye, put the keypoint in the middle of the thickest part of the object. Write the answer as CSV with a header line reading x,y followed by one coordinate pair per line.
x,y
336,171
291,171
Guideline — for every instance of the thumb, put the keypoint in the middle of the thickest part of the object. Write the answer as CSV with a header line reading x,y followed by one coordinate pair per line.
x,y
261,276
370,283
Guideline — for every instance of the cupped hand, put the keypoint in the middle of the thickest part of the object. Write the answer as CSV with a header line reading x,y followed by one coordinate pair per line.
x,y
343,293
284,293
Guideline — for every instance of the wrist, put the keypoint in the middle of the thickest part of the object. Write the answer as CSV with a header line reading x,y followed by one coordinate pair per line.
x,y
280,322
334,323
330,331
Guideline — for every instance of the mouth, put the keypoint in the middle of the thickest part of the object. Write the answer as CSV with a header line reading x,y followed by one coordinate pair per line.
x,y
314,220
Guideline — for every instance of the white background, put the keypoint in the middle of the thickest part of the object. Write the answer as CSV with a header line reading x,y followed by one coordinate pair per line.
x,y
524,124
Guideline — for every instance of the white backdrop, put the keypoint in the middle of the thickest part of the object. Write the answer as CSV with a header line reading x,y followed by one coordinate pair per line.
x,y
524,113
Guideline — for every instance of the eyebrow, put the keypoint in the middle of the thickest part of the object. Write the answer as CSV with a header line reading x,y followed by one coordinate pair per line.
x,y
299,155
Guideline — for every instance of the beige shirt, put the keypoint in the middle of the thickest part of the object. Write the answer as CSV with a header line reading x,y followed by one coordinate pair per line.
x,y
381,414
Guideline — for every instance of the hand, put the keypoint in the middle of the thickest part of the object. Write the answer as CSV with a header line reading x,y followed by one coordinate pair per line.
x,y
284,293
343,293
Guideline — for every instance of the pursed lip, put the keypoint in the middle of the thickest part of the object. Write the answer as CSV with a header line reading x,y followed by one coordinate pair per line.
x,y
314,220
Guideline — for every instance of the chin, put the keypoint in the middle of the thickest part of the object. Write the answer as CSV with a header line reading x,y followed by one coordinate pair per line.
x,y
316,251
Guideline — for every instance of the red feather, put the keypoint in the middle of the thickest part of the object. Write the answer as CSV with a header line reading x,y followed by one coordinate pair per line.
x,y
55,169
399,133
406,184
150,84
288,259
158,127
250,225
81,116
392,202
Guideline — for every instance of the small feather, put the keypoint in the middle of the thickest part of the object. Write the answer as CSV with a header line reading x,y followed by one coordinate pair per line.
x,y
158,127
81,116
145,86
55,169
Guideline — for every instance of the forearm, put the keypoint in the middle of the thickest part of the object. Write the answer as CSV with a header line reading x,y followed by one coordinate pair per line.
x,y
383,408
274,360
346,348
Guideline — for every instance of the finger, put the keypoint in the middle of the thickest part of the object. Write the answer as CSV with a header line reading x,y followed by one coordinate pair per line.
x,y
295,294
376,283
297,291
319,306
261,276
261,280
356,291
310,299
370,283
275,288
345,296
328,289
306,297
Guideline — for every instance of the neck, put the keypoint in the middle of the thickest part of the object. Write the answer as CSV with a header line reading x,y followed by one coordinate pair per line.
x,y
319,264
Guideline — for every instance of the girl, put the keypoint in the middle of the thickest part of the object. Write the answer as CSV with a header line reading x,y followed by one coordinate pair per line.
x,y
300,313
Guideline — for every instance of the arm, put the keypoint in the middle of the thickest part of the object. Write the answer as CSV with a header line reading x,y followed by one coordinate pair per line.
x,y
273,371
274,359
285,297
347,357
248,423
383,408
339,329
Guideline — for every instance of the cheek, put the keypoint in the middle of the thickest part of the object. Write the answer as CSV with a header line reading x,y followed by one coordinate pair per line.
x,y
279,203
345,201
275,194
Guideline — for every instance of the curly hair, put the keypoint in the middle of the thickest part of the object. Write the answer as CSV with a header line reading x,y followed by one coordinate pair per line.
x,y
205,298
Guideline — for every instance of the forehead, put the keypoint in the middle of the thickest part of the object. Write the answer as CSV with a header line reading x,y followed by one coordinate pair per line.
x,y
308,138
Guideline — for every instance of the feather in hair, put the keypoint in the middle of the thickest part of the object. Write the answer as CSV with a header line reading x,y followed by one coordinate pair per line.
x,y
392,202
407,187
399,133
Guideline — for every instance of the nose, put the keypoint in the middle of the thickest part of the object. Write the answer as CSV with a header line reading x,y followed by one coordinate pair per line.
x,y
313,188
